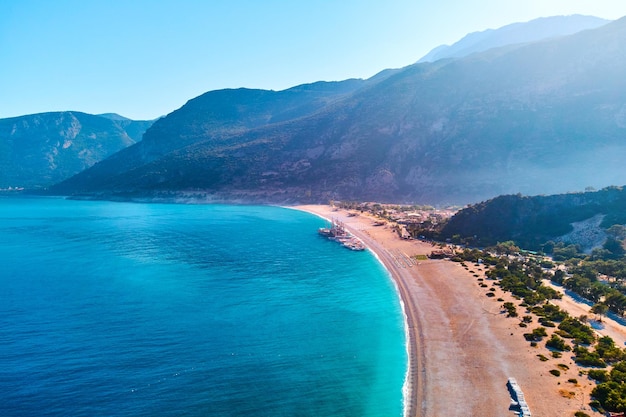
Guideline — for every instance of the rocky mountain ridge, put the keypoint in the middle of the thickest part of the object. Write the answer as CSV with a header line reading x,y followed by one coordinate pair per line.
x,y
516,33
39,150
543,117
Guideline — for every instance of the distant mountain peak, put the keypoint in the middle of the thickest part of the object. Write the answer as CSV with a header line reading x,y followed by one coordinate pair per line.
x,y
540,117
113,116
531,31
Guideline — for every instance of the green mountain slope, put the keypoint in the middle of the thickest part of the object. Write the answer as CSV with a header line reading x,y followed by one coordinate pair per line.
x,y
41,149
532,221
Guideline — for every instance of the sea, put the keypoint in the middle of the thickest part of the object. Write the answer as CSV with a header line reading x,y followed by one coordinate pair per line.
x,y
132,309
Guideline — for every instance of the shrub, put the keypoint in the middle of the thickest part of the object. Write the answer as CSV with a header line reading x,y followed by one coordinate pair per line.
x,y
557,343
555,372
581,333
595,404
510,308
608,351
542,358
586,358
537,334
556,354
599,375
573,380
618,373
545,322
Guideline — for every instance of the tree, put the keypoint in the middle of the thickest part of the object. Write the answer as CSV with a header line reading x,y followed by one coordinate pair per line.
x,y
558,277
615,247
617,231
508,248
599,309
616,301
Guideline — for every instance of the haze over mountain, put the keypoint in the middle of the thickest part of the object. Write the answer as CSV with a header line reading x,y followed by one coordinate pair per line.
x,y
39,150
532,31
541,117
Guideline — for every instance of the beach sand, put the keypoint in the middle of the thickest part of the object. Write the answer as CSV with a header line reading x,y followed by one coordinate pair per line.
x,y
462,347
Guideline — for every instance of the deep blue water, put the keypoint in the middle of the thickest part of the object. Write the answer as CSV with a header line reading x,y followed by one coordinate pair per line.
x,y
124,309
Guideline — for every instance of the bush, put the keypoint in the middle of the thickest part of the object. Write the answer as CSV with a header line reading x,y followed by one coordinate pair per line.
x,y
586,358
595,404
555,372
545,322
581,333
599,375
610,395
510,308
557,343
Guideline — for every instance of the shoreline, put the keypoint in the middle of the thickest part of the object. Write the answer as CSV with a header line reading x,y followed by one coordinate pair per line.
x,y
411,384
461,348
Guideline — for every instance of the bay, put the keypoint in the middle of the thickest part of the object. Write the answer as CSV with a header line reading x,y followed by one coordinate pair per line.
x,y
126,309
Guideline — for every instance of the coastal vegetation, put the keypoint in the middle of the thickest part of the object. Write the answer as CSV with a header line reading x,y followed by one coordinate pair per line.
x,y
523,276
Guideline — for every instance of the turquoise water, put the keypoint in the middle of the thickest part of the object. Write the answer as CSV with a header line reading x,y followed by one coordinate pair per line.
x,y
123,309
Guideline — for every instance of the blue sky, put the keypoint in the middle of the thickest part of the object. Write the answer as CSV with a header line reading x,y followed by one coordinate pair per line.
x,y
145,58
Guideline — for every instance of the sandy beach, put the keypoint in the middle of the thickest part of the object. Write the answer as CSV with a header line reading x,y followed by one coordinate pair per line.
x,y
462,347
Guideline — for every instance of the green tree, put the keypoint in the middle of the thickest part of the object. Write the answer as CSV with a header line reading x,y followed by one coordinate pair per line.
x,y
600,309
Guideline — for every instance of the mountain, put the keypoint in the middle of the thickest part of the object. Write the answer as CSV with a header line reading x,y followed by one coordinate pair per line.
x,y
535,118
41,149
211,119
532,31
532,221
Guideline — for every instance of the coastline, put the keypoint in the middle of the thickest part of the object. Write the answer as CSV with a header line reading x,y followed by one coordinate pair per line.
x,y
412,386
461,347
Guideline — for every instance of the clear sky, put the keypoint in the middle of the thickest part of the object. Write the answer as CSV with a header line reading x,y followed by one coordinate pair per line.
x,y
145,58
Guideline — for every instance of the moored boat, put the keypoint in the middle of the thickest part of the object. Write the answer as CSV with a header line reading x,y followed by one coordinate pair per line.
x,y
338,233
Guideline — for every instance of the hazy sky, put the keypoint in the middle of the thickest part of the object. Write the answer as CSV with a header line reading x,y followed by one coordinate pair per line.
x,y
145,58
